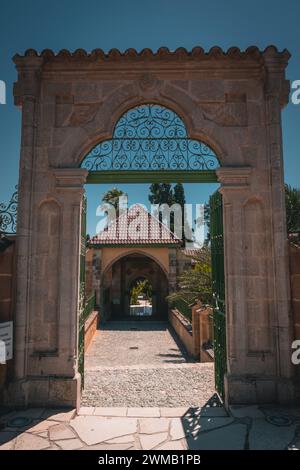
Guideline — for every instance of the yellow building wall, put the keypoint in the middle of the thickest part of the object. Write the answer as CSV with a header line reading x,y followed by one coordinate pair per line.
x,y
111,254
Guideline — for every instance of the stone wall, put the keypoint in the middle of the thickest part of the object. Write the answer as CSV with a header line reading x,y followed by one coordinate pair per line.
x,y
183,331
7,285
90,328
193,335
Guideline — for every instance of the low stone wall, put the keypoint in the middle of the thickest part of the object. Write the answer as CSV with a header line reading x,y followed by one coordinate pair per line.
x,y
295,291
196,335
183,330
90,328
7,287
205,334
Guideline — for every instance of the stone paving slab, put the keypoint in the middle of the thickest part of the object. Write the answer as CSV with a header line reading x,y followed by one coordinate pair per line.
x,y
153,425
228,438
116,411
70,444
30,441
265,436
242,411
149,442
61,431
249,427
144,412
96,429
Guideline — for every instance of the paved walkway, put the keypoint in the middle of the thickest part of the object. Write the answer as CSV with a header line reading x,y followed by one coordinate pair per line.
x,y
141,364
143,393
209,427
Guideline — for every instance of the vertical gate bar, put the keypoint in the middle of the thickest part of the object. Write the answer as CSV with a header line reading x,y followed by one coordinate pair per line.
x,y
82,291
218,284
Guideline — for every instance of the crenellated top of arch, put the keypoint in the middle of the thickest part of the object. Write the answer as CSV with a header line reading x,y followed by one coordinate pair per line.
x,y
215,52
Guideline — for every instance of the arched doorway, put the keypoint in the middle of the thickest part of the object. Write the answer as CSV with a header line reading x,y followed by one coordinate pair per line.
x,y
118,281
231,100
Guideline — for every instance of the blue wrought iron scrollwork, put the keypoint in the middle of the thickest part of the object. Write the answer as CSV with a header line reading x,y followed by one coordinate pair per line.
x,y
150,137
8,215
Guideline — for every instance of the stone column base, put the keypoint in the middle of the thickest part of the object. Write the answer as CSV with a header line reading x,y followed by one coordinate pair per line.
x,y
44,391
242,390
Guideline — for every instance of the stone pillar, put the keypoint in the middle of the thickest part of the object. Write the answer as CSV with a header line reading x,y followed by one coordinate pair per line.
x,y
26,93
50,375
253,372
276,97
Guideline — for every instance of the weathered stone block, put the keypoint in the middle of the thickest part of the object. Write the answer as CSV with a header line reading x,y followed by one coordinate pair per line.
x,y
295,281
208,90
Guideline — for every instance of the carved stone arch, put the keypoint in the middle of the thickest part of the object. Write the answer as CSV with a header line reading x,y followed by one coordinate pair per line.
x,y
201,131
121,271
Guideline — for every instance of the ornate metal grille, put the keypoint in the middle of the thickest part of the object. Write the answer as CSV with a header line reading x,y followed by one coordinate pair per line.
x,y
150,137
8,215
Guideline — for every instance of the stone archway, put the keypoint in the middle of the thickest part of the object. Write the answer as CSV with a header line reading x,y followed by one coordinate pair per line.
x,y
70,102
117,279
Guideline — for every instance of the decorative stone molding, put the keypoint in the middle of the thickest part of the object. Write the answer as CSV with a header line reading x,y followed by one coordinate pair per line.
x,y
215,52
232,63
232,113
235,178
70,178
148,82
83,114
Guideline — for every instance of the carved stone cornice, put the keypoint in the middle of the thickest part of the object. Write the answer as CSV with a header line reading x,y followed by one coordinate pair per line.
x,y
235,53
234,178
72,179
197,63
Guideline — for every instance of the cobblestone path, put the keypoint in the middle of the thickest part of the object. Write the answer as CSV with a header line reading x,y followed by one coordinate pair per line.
x,y
142,364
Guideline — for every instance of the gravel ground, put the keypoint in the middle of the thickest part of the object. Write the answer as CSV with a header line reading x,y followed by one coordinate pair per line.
x,y
143,367
171,386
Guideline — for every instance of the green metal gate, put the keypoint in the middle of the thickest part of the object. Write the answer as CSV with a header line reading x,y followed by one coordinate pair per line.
x,y
82,292
218,281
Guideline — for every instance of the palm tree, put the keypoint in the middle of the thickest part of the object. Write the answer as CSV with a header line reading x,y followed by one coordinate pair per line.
x,y
112,196
195,283
292,202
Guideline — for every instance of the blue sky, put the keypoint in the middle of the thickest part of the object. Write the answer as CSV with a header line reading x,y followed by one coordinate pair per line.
x,y
89,24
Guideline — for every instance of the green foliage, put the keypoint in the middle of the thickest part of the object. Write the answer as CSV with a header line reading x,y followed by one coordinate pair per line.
x,y
292,201
207,222
142,286
161,193
179,195
195,283
112,196
164,193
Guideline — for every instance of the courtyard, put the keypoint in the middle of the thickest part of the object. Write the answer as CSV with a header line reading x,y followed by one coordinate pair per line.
x,y
142,364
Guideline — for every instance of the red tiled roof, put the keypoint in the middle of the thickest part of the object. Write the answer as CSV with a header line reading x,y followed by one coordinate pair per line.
x,y
135,226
